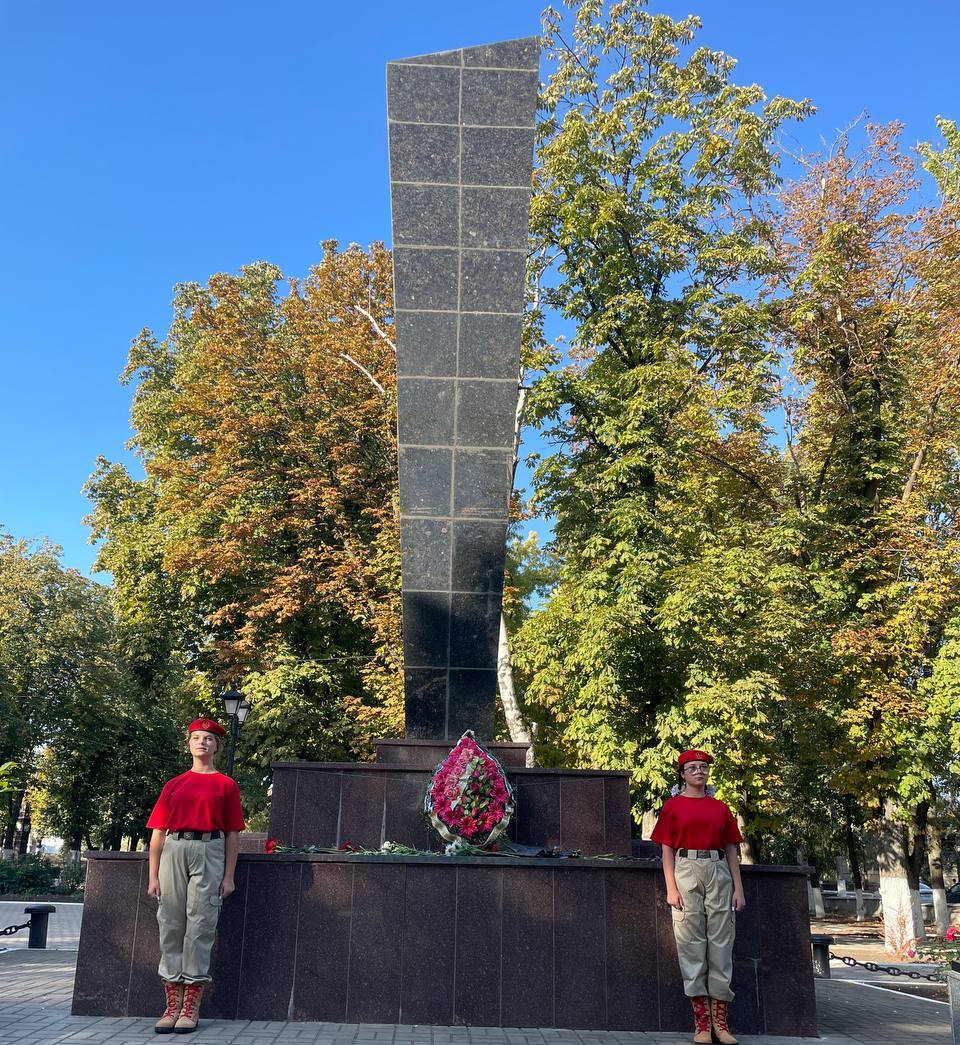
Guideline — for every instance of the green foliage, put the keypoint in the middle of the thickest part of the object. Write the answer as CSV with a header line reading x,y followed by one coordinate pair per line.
x,y
65,694
7,776
650,158
753,440
944,164
73,875
752,472
531,572
28,874
301,713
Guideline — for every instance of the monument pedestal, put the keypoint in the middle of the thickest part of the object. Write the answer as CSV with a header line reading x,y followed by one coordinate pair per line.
x,y
482,941
367,804
425,754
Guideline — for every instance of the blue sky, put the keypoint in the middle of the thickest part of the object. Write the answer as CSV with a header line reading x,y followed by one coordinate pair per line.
x,y
144,145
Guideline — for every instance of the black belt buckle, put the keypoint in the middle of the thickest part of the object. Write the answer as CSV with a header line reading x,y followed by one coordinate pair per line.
x,y
197,836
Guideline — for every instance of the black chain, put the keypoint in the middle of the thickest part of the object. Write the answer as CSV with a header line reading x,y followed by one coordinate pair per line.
x,y
890,970
11,929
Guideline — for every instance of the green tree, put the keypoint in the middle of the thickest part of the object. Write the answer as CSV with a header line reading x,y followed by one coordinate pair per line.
x,y
661,481
58,667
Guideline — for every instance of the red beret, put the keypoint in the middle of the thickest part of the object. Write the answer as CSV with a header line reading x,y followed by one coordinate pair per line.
x,y
694,756
208,725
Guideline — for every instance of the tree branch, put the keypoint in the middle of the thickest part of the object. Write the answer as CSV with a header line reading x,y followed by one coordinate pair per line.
x,y
366,373
381,333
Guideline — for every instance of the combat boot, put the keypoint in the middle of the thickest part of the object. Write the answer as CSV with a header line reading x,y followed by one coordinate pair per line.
x,y
718,1017
701,1020
173,992
190,1013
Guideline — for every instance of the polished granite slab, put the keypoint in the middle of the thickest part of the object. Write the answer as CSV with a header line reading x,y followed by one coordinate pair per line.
x,y
488,942
461,135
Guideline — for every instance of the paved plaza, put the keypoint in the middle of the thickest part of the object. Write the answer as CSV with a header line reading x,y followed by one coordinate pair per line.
x,y
63,928
36,986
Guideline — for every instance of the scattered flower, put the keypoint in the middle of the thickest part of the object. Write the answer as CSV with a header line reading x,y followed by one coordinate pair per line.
x,y
270,845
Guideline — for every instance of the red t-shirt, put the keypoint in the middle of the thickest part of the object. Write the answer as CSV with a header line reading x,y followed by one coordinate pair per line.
x,y
198,802
696,823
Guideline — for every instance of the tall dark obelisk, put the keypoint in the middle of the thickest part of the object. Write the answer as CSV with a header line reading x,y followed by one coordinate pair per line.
x,y
461,159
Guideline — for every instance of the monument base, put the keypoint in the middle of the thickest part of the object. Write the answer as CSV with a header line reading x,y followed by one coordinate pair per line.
x,y
489,941
367,804
425,754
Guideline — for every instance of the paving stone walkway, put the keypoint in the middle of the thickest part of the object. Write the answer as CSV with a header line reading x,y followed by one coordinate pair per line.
x,y
63,928
35,990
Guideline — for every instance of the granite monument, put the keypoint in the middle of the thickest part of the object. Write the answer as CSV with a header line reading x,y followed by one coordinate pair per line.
x,y
461,129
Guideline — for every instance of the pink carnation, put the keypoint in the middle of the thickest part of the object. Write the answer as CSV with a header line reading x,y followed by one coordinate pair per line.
x,y
468,794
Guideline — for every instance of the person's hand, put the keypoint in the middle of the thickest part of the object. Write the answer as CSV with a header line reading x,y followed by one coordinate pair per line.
x,y
226,887
738,900
674,899
153,888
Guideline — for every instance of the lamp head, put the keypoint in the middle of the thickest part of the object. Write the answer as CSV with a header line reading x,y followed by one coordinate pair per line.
x,y
232,699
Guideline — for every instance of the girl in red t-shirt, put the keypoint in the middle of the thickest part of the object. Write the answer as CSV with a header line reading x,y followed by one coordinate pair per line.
x,y
193,855
698,837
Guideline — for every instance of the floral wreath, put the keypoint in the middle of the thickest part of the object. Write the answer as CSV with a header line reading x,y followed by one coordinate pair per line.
x,y
469,798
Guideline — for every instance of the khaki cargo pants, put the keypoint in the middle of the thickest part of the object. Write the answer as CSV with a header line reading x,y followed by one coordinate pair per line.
x,y
705,928
190,877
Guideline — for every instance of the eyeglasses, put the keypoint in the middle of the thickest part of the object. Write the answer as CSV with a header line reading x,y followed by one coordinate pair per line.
x,y
696,767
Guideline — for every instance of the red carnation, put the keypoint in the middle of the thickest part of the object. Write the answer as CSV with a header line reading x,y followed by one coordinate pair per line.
x,y
270,845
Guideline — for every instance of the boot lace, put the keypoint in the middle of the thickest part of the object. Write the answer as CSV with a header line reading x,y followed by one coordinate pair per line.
x,y
172,993
720,1015
191,997
701,1014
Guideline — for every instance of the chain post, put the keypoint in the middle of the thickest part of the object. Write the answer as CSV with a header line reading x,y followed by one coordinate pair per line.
x,y
890,970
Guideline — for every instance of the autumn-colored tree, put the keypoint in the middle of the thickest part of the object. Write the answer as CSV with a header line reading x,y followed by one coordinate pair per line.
x,y
870,312
261,545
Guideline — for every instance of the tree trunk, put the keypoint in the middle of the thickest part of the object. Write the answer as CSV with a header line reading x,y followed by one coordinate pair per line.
x,y
24,829
941,912
14,802
750,846
521,732
901,845
811,901
853,860
815,894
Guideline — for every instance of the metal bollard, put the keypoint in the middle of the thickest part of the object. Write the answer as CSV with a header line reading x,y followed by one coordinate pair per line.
x,y
39,916
821,955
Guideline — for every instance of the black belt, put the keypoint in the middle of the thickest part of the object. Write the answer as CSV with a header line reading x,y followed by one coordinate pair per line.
x,y
700,854
197,836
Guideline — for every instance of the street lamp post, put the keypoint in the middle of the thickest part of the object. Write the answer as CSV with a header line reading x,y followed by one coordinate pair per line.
x,y
237,710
